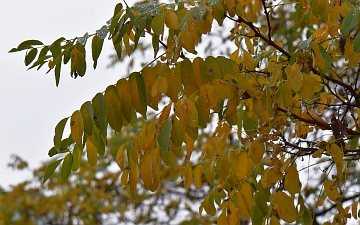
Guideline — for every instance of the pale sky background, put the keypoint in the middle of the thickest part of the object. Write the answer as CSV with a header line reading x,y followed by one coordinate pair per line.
x,y
31,104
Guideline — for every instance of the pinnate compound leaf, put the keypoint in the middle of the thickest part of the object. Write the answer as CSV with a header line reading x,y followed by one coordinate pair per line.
x,y
285,207
66,167
59,129
113,107
50,169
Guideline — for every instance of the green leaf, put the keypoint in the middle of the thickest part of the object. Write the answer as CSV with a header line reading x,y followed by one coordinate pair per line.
x,y
52,152
66,167
155,44
30,56
199,12
164,135
250,123
138,93
26,45
113,107
57,63
50,169
77,153
256,215
115,18
100,112
326,57
356,46
117,46
183,21
117,38
96,47
87,112
350,22
59,129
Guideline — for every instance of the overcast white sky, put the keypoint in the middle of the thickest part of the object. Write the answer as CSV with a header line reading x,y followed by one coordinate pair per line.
x,y
31,104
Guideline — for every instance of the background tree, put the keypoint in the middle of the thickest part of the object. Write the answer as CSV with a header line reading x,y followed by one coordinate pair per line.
x,y
238,127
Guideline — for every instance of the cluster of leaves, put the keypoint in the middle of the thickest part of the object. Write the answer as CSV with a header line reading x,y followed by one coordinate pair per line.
x,y
274,95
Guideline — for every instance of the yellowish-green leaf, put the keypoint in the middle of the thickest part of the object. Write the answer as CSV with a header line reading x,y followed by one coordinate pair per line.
x,y
124,92
171,20
50,169
157,24
66,167
164,135
87,112
100,112
77,154
120,157
133,178
59,129
256,215
113,107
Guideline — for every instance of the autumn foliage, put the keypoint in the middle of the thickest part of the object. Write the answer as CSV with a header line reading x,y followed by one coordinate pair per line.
x,y
244,125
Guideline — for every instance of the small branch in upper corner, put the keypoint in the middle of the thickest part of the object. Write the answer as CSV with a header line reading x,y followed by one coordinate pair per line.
x,y
267,19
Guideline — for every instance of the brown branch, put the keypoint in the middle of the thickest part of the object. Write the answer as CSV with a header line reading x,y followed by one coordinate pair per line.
x,y
267,19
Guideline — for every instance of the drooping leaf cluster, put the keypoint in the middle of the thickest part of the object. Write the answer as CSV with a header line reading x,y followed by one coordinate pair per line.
x,y
289,90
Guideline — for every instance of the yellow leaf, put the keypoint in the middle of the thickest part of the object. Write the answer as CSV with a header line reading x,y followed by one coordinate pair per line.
x,y
337,155
91,151
248,60
235,56
285,207
242,166
256,151
208,91
171,20
321,200
307,89
287,95
332,191
270,176
77,127
354,210
319,59
120,156
164,114
321,34
188,41
231,214
222,218
242,211
146,169
292,180
274,220
125,176
247,195
295,77
133,178
223,89
187,177
249,45
198,176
